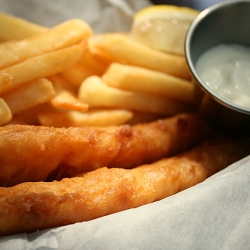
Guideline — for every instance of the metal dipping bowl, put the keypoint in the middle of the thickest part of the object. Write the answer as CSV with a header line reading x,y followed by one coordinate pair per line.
x,y
225,22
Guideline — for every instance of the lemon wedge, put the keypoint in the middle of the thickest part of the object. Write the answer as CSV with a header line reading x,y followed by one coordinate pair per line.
x,y
163,27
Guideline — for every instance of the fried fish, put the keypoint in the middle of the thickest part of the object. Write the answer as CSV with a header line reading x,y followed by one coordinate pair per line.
x,y
37,153
34,206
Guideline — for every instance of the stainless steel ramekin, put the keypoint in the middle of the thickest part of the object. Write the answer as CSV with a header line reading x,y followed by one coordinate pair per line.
x,y
225,22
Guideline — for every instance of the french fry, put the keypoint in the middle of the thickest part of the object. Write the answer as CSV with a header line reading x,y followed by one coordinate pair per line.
x,y
91,118
53,39
15,28
5,112
30,115
5,81
87,66
98,65
149,81
60,83
43,65
97,94
29,95
77,74
64,98
121,48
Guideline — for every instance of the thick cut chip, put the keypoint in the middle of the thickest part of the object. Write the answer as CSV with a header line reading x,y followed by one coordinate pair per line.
x,y
5,81
65,97
29,95
77,73
44,65
98,65
54,39
121,48
5,112
149,81
93,118
89,65
60,83
66,100
97,94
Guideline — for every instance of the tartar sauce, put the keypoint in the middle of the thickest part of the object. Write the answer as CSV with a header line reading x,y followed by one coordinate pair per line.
x,y
225,69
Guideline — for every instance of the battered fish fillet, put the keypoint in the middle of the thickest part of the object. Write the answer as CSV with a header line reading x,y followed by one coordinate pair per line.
x,y
38,205
36,153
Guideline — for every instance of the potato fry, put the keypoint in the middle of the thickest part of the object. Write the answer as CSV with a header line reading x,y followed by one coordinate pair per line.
x,y
120,48
60,83
87,66
30,115
92,118
98,65
15,28
5,81
77,74
29,95
53,39
43,65
66,100
5,112
97,94
149,81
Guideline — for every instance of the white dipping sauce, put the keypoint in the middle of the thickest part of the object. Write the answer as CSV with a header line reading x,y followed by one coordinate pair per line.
x,y
225,69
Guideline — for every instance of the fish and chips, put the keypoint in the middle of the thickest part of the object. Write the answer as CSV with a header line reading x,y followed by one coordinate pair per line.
x,y
93,124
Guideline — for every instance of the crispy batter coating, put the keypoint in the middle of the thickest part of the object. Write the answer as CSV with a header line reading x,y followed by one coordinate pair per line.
x,y
37,153
38,205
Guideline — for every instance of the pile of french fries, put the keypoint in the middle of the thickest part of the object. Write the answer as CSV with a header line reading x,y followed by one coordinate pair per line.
x,y
68,76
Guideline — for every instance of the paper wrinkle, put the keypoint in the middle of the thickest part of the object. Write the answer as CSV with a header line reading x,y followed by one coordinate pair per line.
x,y
214,214
98,13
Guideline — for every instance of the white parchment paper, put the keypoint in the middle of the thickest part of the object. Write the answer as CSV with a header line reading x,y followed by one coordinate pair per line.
x,y
212,215
102,15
